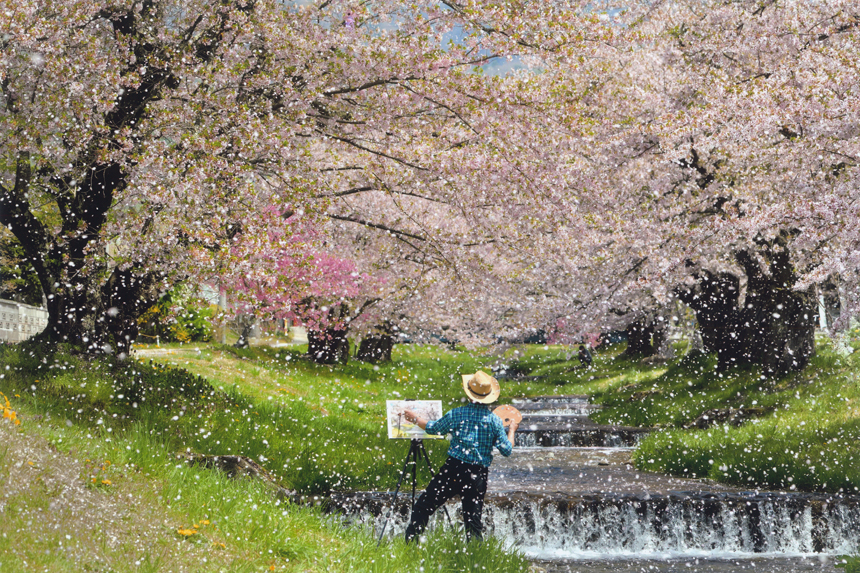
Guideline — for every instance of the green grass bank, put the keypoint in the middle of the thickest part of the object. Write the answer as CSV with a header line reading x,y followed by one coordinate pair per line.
x,y
110,432
321,428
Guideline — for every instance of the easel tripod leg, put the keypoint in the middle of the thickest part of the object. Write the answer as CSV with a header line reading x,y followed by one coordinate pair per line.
x,y
413,451
396,491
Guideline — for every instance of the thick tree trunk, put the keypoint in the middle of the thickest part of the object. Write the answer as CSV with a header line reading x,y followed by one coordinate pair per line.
x,y
100,318
773,325
126,296
714,300
639,338
329,346
376,349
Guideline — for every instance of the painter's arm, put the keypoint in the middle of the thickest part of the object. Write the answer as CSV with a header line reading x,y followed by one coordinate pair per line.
x,y
414,418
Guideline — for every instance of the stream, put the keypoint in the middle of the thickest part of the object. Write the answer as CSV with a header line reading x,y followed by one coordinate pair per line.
x,y
570,499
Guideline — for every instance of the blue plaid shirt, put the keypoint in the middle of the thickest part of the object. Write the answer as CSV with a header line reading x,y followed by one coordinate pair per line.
x,y
474,430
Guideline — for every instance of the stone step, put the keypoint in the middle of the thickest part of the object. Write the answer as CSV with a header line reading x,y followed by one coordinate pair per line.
x,y
571,412
551,399
551,436
531,406
560,421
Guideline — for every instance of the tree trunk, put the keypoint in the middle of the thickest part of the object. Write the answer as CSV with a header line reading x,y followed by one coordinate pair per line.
x,y
773,325
639,338
244,328
778,322
329,346
100,319
126,296
829,291
376,349
714,300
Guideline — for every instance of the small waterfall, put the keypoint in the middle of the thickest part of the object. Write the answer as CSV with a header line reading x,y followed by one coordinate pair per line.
x,y
574,410
676,525
556,407
550,400
682,524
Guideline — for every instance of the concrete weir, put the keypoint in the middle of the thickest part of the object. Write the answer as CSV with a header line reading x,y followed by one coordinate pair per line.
x,y
676,524
555,435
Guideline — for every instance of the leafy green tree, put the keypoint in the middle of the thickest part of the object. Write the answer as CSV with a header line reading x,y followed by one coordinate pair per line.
x,y
18,280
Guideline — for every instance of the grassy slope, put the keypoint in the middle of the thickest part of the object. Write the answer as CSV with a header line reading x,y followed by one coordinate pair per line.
x,y
804,436
313,427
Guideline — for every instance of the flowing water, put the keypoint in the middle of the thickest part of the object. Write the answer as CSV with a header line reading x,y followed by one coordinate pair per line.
x,y
588,510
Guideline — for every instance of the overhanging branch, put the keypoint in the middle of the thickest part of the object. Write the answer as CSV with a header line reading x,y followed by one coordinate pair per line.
x,y
385,228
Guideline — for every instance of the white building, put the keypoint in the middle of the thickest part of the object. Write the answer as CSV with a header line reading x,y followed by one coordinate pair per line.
x,y
19,321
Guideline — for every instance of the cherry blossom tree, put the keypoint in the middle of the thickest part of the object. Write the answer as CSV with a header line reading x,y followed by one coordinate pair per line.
x,y
143,139
140,143
725,173
698,141
760,164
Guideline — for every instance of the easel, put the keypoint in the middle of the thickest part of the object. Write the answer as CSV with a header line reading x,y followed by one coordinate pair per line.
x,y
416,452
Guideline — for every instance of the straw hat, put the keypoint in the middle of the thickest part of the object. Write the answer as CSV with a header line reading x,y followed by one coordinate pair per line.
x,y
481,387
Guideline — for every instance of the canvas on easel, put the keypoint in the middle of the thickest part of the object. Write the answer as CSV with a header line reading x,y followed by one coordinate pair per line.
x,y
399,428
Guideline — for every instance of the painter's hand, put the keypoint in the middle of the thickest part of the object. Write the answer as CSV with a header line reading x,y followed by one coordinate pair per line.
x,y
512,430
415,419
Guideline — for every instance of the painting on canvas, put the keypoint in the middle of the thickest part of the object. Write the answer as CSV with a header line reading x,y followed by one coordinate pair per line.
x,y
399,428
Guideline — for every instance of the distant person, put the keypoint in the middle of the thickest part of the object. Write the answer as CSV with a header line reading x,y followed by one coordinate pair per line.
x,y
475,431
585,357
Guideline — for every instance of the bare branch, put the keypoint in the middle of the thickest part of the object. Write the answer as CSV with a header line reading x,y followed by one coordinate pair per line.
x,y
385,228
379,153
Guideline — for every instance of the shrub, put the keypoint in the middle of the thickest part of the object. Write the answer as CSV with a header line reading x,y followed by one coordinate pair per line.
x,y
179,316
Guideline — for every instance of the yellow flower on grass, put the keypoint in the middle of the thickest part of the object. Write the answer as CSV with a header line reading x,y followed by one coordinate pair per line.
x,y
8,412
106,481
186,532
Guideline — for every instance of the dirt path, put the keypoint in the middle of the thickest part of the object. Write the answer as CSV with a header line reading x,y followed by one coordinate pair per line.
x,y
56,518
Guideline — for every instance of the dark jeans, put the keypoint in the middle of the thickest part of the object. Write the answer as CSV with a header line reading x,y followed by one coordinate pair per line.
x,y
469,481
